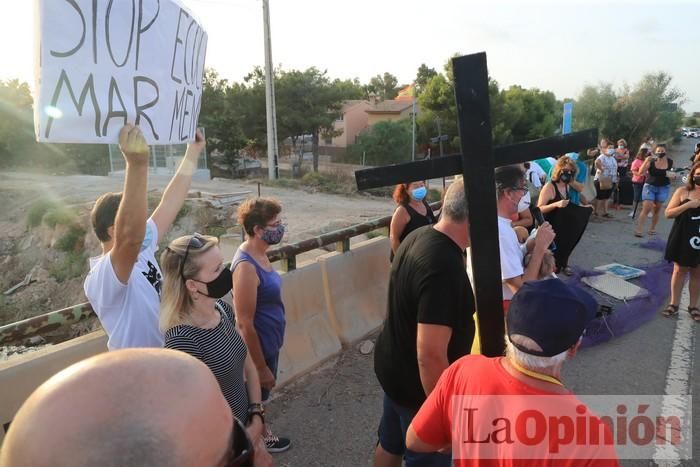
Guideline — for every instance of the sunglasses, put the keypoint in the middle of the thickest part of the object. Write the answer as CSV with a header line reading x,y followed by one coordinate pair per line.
x,y
197,241
242,452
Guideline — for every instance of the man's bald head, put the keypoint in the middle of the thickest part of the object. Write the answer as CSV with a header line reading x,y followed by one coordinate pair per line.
x,y
136,407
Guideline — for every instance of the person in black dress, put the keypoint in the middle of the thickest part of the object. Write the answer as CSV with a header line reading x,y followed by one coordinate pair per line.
x,y
683,246
412,212
568,220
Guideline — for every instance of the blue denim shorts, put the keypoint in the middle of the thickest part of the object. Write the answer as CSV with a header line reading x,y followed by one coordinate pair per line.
x,y
392,435
657,194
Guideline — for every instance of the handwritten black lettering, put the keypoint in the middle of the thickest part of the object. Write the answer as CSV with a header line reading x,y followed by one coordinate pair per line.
x,y
201,52
185,46
94,31
177,108
88,88
131,33
140,108
177,41
140,30
185,113
82,36
111,113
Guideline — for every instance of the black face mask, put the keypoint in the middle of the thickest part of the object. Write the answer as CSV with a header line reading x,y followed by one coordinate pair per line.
x,y
696,180
565,177
219,286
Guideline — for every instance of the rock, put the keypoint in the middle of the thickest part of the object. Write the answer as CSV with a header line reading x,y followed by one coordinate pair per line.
x,y
366,347
26,242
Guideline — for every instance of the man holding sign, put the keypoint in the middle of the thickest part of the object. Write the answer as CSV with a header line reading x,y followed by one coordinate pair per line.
x,y
124,283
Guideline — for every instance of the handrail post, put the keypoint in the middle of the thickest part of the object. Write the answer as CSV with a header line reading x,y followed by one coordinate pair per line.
x,y
289,263
341,246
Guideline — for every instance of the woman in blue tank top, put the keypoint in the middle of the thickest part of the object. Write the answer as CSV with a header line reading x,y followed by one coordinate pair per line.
x,y
257,294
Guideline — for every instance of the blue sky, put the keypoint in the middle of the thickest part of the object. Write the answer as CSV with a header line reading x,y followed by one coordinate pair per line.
x,y
559,46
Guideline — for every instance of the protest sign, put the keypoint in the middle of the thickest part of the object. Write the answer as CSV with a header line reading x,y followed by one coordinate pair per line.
x,y
103,63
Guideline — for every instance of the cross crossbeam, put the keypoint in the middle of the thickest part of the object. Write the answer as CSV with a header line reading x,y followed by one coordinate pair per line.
x,y
451,164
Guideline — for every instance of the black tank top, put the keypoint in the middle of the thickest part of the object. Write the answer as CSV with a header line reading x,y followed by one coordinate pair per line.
x,y
657,177
557,194
417,219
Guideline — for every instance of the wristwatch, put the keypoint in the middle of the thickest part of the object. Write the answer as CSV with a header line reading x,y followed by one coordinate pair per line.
x,y
256,409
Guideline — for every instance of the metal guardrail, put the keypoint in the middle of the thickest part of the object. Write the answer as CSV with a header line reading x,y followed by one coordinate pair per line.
x,y
17,333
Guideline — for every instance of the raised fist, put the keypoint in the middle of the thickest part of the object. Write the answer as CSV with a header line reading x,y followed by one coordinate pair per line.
x,y
133,145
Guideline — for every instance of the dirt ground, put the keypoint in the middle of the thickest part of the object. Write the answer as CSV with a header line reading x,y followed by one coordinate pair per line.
x,y
23,250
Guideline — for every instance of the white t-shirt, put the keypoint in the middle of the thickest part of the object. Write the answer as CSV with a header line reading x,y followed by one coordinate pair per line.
x,y
534,173
511,254
128,312
609,165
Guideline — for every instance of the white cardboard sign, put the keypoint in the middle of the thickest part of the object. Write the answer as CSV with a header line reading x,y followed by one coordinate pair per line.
x,y
102,63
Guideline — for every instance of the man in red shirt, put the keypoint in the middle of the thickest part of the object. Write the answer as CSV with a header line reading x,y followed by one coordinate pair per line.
x,y
485,409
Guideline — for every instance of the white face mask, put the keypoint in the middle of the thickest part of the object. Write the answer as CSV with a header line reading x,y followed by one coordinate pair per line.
x,y
524,202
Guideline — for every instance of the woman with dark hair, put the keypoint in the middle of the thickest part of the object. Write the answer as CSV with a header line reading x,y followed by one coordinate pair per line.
x,y
638,178
683,246
656,188
196,320
412,212
257,295
568,220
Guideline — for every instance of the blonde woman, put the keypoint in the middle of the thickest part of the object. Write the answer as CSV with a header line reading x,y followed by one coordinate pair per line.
x,y
196,320
568,219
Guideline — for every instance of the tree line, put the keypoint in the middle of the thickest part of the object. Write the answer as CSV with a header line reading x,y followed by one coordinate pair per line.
x,y
308,102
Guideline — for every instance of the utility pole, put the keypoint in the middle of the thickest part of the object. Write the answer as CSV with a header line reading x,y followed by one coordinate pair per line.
x,y
413,133
272,168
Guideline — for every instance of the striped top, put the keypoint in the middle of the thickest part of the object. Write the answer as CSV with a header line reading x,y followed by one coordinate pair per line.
x,y
222,349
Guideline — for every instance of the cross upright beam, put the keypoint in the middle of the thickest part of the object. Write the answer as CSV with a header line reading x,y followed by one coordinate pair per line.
x,y
471,81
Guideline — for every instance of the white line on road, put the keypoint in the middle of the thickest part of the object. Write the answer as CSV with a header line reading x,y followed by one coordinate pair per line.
x,y
678,378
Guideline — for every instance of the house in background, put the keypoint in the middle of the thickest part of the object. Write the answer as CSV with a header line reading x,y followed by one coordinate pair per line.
x,y
352,121
396,109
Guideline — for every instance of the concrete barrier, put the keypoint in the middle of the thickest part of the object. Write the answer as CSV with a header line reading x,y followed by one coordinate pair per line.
x,y
309,337
22,374
356,284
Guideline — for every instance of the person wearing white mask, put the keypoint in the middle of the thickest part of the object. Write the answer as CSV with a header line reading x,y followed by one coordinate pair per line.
x,y
605,180
412,212
511,188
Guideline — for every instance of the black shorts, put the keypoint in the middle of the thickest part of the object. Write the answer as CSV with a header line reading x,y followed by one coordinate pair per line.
x,y
602,194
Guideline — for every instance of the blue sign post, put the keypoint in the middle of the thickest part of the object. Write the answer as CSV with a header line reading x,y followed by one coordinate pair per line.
x,y
568,118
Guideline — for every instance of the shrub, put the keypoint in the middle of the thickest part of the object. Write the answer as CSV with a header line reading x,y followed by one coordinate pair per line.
x,y
60,215
38,209
72,240
74,265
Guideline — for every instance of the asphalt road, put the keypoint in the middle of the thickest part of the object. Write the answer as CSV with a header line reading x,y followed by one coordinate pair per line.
x,y
331,415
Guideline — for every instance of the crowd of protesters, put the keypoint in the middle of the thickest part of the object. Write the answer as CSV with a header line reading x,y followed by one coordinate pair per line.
x,y
201,401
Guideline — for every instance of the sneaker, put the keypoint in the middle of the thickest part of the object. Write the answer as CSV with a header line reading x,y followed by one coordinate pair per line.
x,y
275,444
650,215
630,214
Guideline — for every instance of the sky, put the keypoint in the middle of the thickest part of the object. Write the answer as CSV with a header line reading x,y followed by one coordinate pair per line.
x,y
558,46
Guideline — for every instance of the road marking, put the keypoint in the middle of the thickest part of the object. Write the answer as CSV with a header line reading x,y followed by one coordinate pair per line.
x,y
678,378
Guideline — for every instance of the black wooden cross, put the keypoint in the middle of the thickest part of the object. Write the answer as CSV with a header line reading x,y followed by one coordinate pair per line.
x,y
476,164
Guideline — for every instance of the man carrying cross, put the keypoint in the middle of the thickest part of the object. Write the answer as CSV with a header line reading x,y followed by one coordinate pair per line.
x,y
428,325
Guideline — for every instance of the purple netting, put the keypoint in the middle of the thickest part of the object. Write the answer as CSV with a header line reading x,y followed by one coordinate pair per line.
x,y
655,244
628,315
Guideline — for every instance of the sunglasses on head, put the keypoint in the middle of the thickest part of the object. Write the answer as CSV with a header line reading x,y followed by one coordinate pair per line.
x,y
196,241
242,452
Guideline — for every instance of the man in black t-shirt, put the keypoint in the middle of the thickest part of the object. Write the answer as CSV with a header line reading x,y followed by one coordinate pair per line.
x,y
428,325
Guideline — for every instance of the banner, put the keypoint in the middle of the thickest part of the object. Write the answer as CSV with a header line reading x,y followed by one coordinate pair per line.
x,y
102,63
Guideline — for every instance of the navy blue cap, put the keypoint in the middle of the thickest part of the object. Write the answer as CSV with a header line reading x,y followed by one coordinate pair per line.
x,y
551,313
